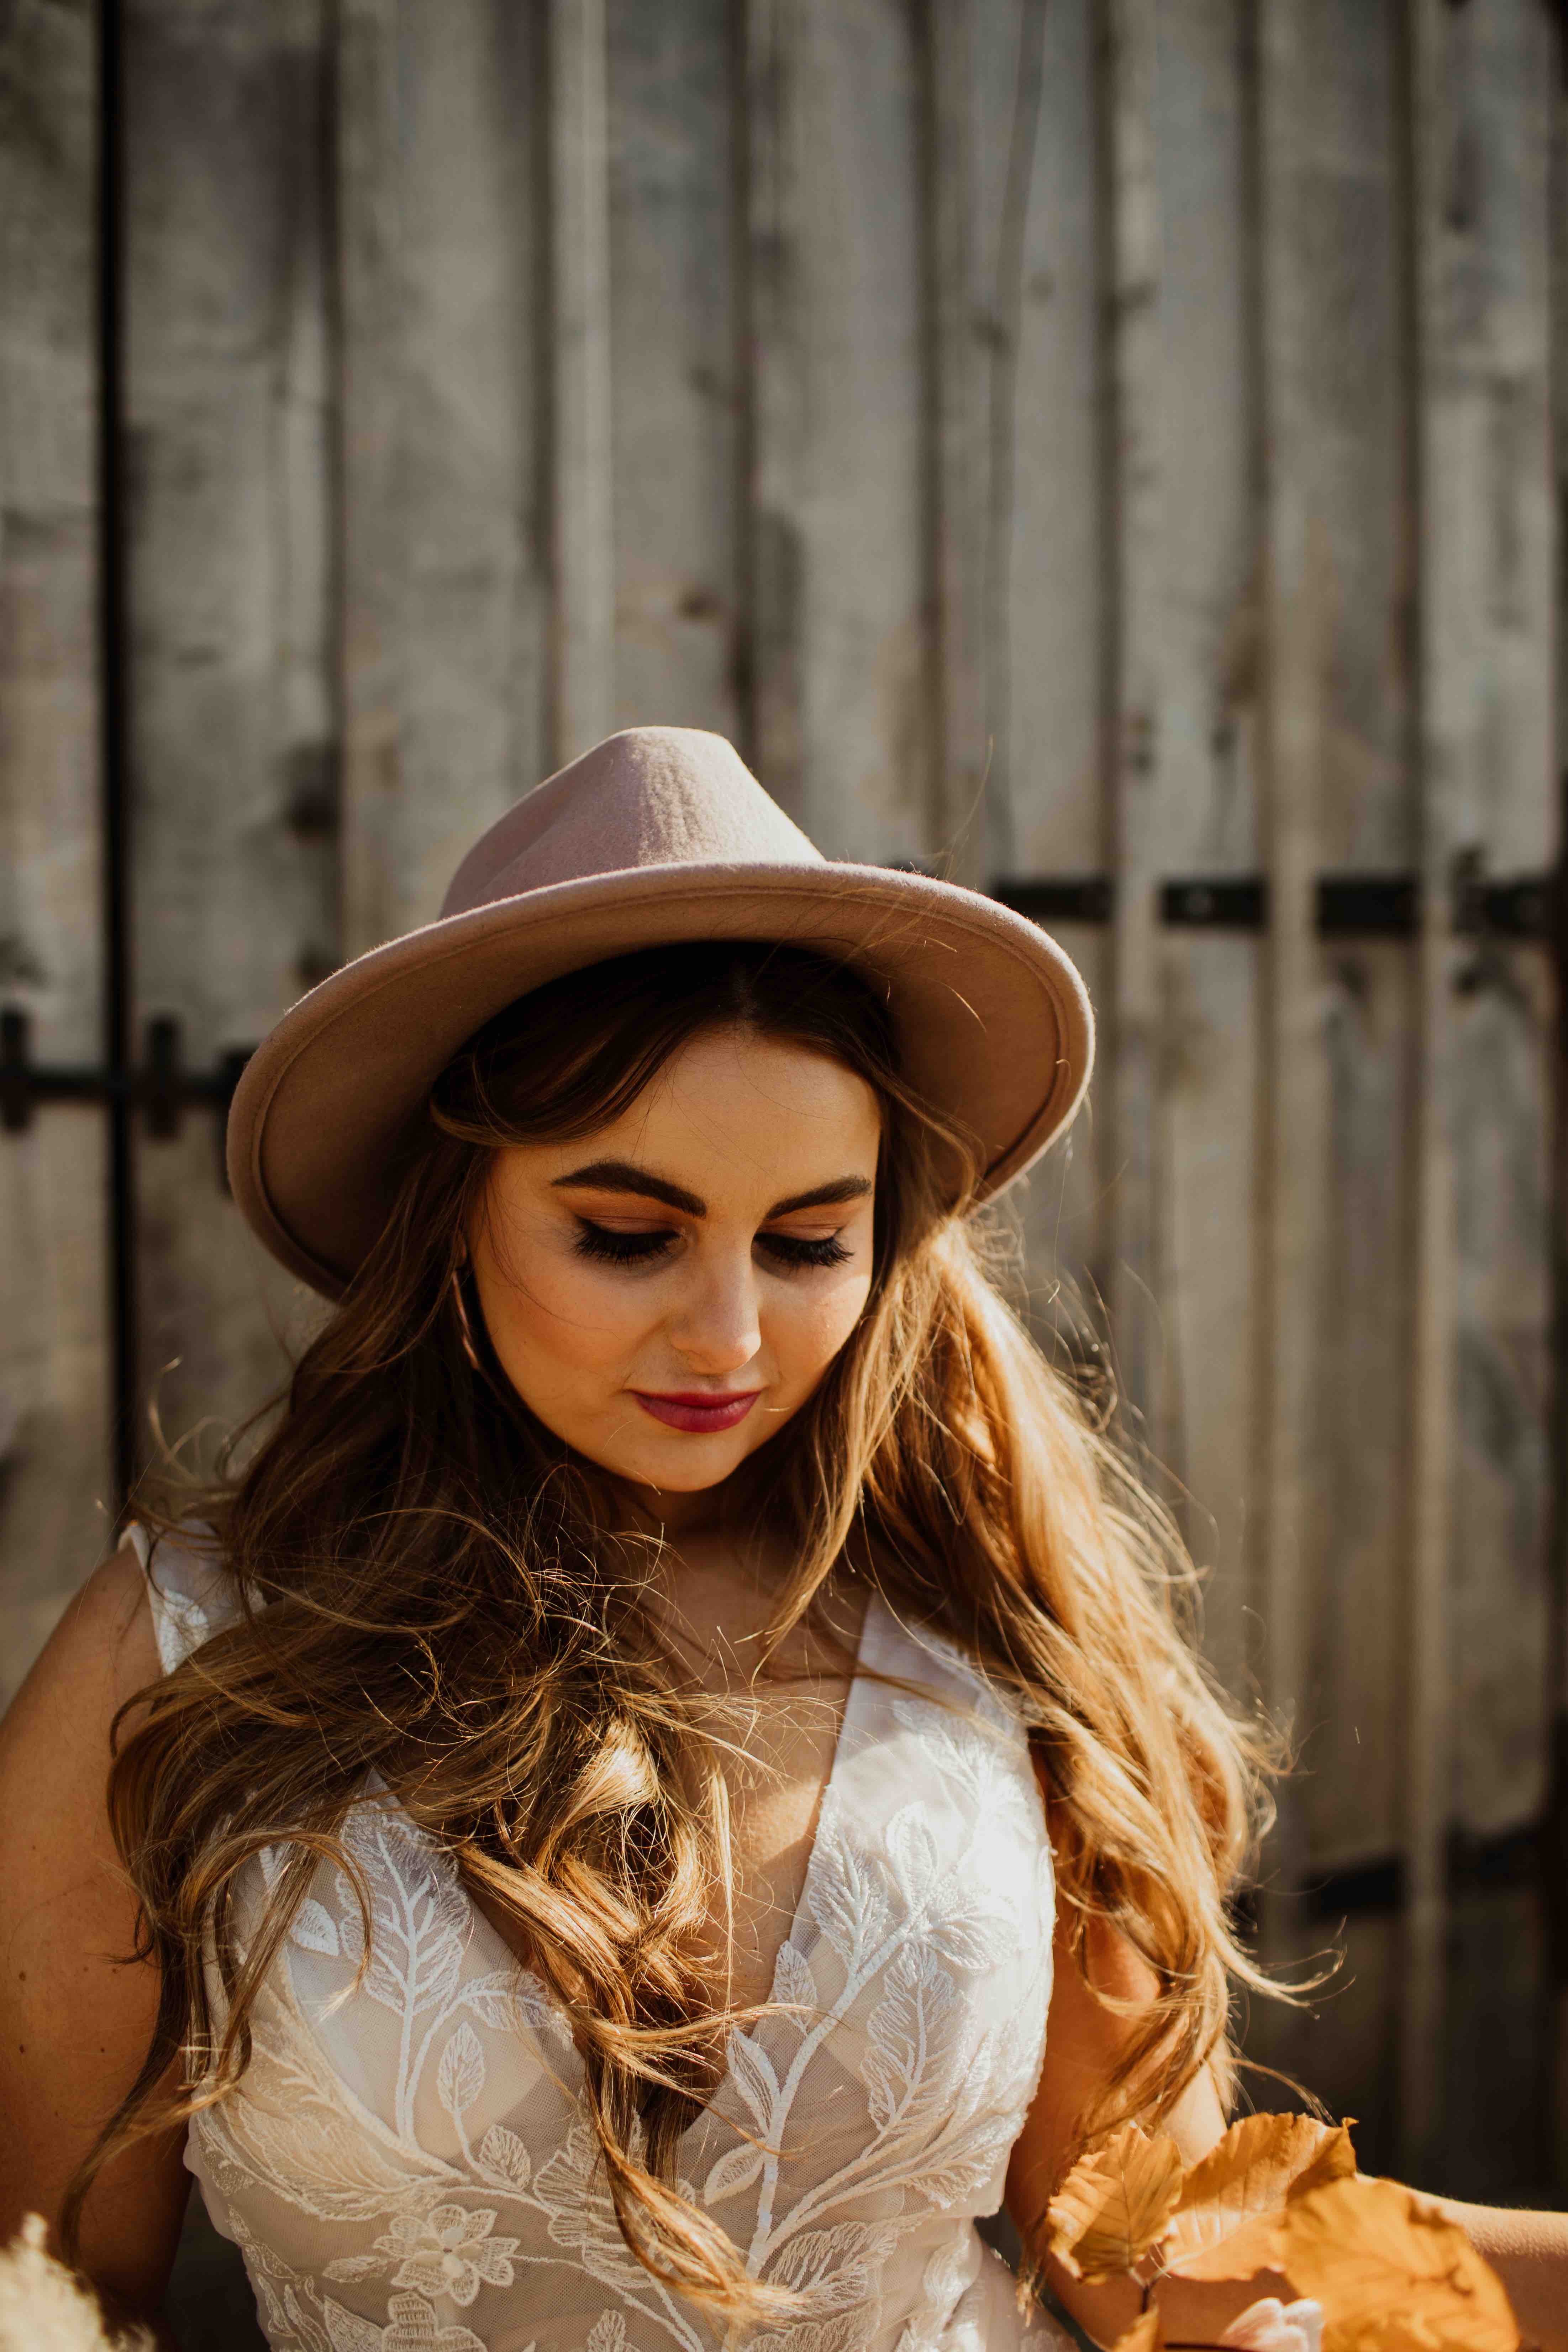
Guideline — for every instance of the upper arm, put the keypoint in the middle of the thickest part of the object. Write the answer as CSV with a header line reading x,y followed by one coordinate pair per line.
x,y
1084,2039
75,2012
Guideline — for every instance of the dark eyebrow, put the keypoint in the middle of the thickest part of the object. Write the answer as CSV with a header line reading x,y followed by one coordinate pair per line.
x,y
624,1176
823,1196
621,1176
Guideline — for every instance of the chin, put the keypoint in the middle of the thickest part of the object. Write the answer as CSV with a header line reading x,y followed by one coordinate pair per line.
x,y
680,1477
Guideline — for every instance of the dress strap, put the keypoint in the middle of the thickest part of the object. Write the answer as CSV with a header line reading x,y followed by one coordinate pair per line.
x,y
191,1594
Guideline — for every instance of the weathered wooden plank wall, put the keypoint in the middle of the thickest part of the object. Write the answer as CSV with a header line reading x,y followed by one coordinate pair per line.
x,y
229,563
1082,440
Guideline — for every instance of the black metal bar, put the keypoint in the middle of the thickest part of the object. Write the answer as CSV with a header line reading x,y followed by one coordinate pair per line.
x,y
161,1087
1058,898
1368,906
162,1081
1224,902
1474,1866
1522,908
16,1092
1374,1886
1348,906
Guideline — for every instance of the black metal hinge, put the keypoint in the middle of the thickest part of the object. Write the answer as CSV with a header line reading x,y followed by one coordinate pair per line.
x,y
1348,906
161,1087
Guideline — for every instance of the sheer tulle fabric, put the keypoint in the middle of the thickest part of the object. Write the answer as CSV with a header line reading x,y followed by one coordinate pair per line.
x,y
405,2167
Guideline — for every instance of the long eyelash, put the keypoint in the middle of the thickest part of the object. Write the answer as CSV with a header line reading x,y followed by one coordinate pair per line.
x,y
619,1249
796,1251
611,1248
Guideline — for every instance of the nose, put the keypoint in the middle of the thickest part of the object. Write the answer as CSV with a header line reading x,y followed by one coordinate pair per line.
x,y
716,1327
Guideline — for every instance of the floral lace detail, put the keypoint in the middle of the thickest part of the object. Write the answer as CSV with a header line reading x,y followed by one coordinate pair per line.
x,y
448,2252
408,2166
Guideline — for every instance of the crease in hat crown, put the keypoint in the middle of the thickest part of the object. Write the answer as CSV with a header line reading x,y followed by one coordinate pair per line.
x,y
649,796
656,835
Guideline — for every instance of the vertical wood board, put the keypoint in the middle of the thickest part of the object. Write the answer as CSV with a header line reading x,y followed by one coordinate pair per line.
x,y
1057,578
1035,267
1206,1140
1288,1238
232,750
1487,590
1137,1275
1339,798
581,429
441,277
56,1469
676,388
956,468
1486,610
837,421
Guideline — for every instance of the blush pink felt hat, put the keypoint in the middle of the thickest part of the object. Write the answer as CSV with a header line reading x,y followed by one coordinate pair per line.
x,y
659,834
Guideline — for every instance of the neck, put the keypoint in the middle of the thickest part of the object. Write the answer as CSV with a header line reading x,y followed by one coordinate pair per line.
x,y
655,1510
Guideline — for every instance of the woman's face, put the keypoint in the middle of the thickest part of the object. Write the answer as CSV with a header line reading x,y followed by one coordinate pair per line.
x,y
666,1292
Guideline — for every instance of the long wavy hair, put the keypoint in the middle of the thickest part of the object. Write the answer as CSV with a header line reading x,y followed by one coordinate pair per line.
x,y
432,1586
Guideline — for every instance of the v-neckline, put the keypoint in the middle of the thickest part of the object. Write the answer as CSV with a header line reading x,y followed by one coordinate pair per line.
x,y
710,2110
830,1785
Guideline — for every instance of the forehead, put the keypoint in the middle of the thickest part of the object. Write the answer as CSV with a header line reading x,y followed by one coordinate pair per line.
x,y
734,1113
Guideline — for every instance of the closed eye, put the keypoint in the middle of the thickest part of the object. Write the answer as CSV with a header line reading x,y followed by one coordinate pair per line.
x,y
792,1251
611,1248
796,1250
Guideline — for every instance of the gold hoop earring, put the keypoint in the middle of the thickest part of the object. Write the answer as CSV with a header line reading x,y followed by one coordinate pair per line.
x,y
464,1327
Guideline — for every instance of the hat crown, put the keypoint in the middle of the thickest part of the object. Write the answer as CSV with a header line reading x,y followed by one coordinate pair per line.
x,y
650,796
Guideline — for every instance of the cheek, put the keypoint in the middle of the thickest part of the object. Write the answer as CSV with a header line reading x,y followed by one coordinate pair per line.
x,y
553,1317
807,1331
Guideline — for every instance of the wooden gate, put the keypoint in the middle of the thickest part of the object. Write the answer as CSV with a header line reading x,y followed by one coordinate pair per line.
x,y
1103,448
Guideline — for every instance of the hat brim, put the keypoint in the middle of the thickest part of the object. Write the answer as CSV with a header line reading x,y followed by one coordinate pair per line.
x,y
992,1022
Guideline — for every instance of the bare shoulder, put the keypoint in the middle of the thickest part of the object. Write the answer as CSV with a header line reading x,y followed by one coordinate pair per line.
x,y
58,1863
55,1740
102,1652
76,2011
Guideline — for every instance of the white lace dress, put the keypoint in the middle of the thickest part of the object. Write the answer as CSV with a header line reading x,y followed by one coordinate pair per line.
x,y
406,2168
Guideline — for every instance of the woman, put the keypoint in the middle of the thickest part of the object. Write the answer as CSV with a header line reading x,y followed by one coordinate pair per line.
x,y
671,1782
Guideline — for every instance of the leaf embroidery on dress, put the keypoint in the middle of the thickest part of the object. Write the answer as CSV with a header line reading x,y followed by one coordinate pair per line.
x,y
503,2156
843,2335
793,1981
460,2076
419,1917
849,1900
738,2168
752,2074
570,2190
836,2269
909,2031
414,2328
412,2132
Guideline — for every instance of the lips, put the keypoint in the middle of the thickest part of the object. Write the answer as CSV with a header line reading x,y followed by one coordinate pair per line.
x,y
698,1413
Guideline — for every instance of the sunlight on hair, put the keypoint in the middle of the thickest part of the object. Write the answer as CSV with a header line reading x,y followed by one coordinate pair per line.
x,y
436,1591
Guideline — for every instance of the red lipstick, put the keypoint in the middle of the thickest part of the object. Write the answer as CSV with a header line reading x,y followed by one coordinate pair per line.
x,y
699,1412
